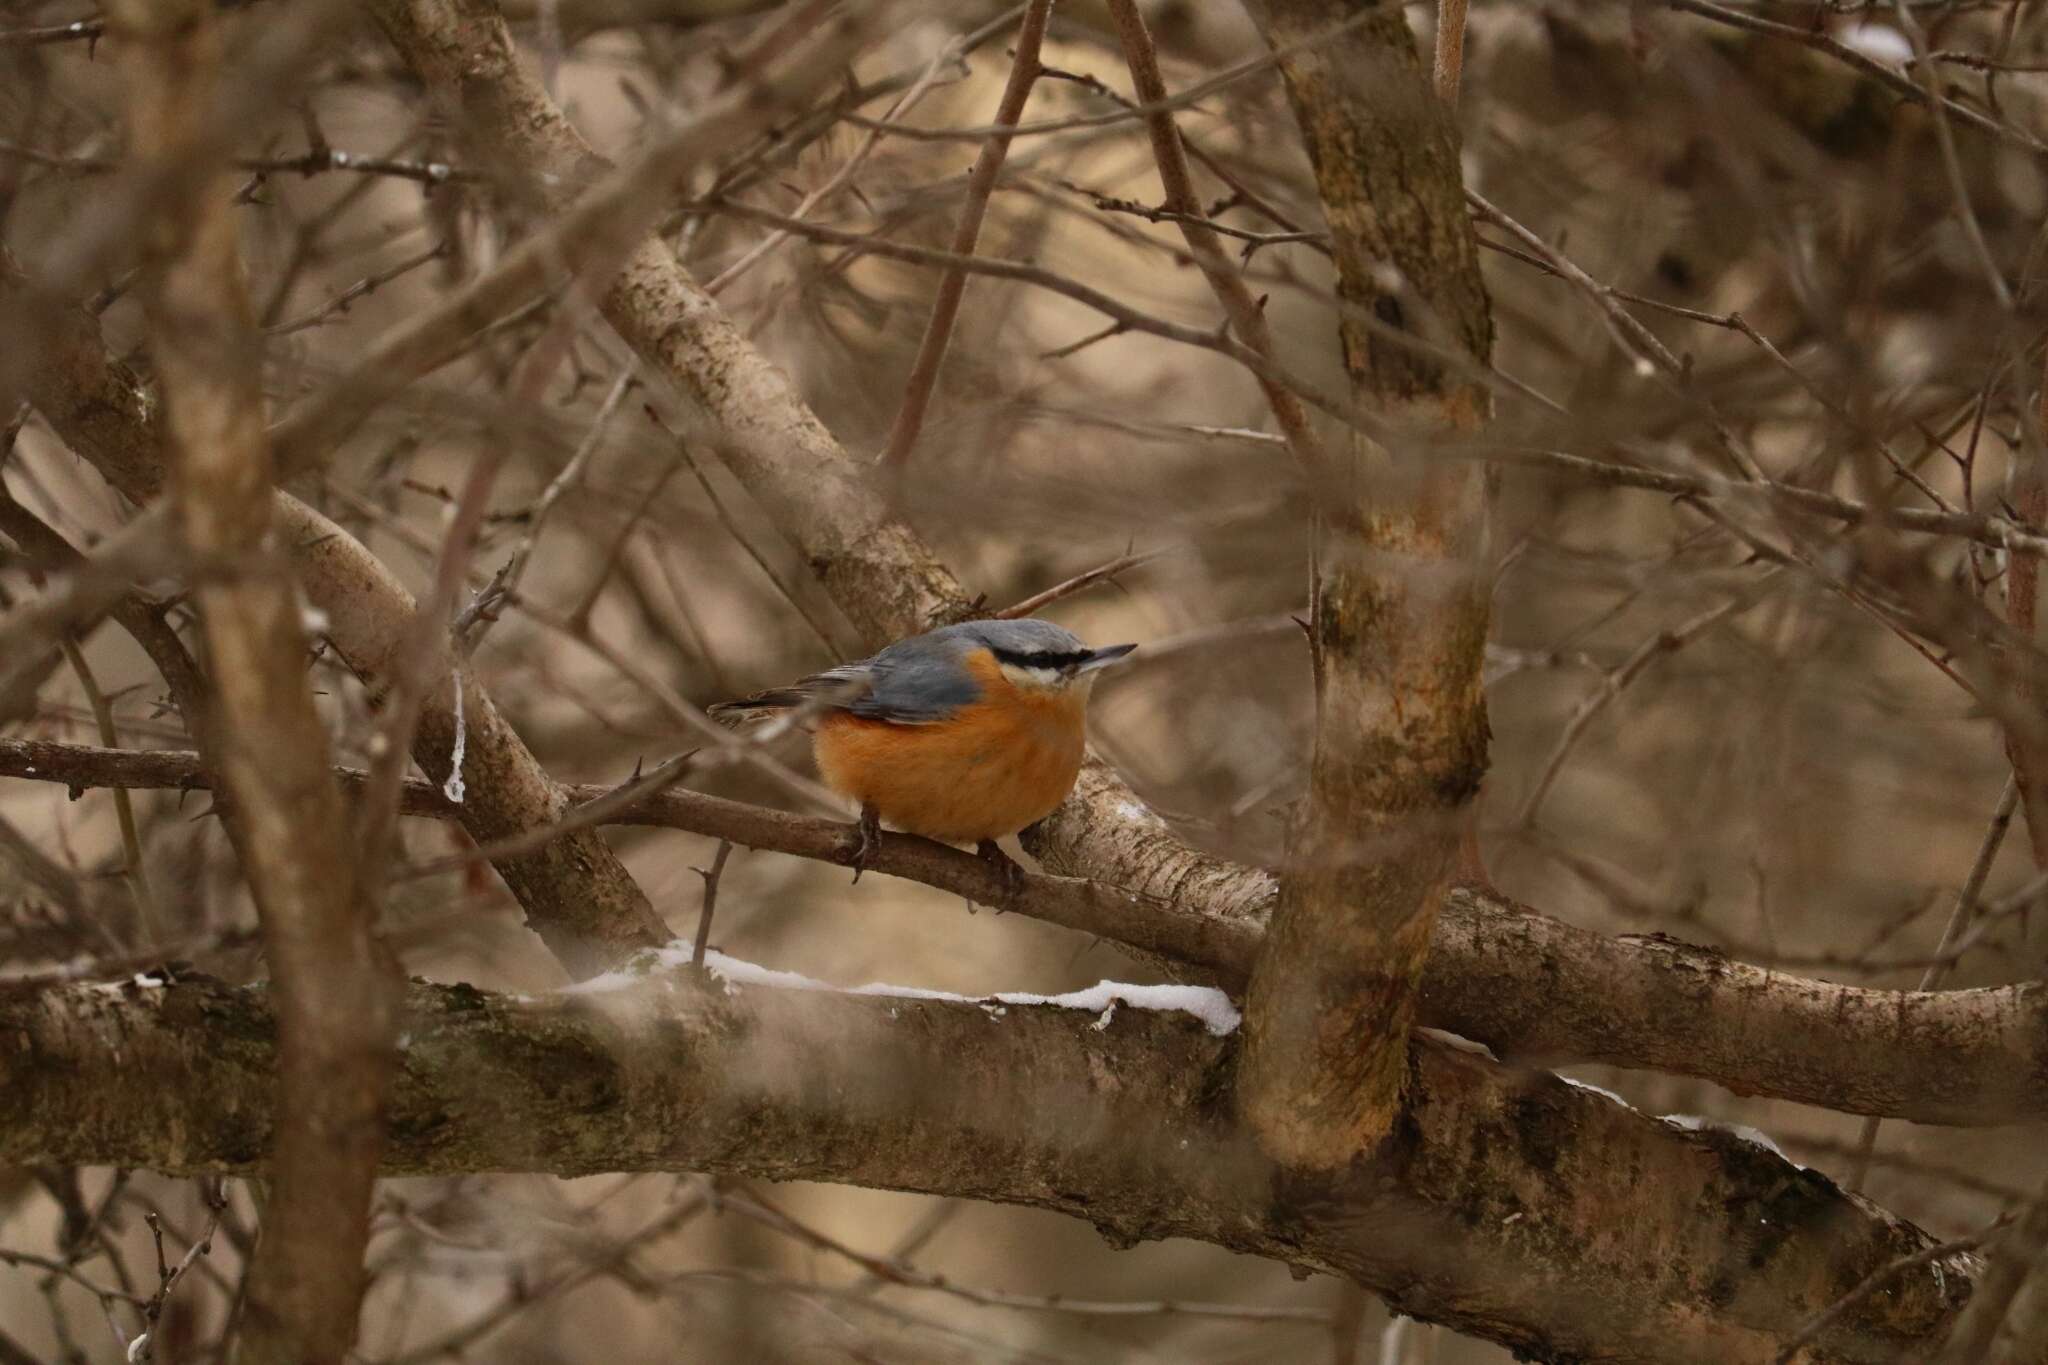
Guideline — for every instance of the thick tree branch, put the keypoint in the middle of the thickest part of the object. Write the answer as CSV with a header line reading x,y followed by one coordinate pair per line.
x,y
1532,988
1490,1207
1398,608
335,984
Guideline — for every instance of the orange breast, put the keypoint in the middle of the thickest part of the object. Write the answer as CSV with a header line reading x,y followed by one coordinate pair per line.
x,y
988,770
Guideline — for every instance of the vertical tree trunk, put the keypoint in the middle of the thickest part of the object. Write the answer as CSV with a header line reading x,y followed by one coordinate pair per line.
x,y
1398,624
337,991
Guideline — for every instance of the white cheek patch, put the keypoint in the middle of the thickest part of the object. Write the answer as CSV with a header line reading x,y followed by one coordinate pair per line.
x,y
1030,678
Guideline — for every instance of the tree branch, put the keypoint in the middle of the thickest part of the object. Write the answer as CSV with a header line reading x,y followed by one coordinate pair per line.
x,y
883,578
335,983
1247,315
1489,1209
1532,988
576,893
1398,606
981,184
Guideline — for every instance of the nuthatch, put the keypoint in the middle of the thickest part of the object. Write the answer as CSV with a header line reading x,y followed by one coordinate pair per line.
x,y
962,734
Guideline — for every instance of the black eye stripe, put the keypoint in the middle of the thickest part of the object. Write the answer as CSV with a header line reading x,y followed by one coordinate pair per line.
x,y
1042,658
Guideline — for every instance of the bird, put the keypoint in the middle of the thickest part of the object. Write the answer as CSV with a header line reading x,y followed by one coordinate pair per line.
x,y
962,734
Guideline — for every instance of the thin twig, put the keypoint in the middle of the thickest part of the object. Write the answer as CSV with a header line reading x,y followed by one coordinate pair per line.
x,y
315,162
124,806
711,878
1958,921
1879,1278
1040,600
1945,139
473,622
1247,315
81,30
981,184
1618,679
362,288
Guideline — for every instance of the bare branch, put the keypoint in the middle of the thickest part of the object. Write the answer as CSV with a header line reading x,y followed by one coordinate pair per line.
x,y
1247,315
917,1093
2015,1262
336,983
1398,608
1450,49
576,893
1529,986
981,183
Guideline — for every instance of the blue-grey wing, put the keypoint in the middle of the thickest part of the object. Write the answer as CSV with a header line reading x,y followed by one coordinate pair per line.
x,y
907,686
914,687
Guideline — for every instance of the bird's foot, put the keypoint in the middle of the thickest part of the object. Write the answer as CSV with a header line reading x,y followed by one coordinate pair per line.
x,y
867,839
1006,867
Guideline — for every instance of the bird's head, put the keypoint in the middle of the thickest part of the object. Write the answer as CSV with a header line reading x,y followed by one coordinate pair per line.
x,y
1038,656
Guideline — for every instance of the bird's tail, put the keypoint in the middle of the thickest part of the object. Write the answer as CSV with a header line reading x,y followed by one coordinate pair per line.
x,y
834,687
759,707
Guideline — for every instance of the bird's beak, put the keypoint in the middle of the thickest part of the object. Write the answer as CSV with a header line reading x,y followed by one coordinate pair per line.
x,y
1104,657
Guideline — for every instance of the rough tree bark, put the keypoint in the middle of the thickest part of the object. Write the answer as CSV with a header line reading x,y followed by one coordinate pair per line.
x,y
337,989
1398,617
1532,988
1491,1207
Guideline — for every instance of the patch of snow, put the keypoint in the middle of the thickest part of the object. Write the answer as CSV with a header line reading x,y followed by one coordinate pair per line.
x,y
1878,42
1756,1137
1596,1089
1458,1041
452,788
1205,1003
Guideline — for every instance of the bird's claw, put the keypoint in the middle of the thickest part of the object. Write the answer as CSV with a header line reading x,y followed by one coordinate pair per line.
x,y
867,837
1006,867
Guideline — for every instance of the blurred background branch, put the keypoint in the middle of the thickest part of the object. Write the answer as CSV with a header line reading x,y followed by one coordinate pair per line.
x,y
1749,299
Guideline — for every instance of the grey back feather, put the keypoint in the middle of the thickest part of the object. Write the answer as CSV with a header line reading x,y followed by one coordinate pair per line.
x,y
915,681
